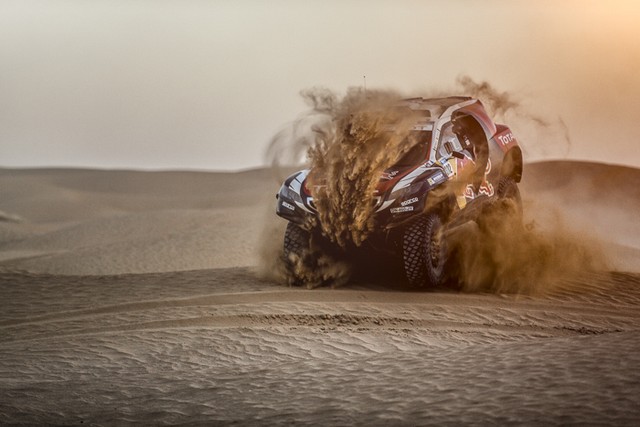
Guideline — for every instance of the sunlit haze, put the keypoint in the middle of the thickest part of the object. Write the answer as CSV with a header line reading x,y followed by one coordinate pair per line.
x,y
204,85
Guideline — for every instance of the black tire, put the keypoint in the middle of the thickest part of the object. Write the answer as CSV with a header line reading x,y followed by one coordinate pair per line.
x,y
296,240
504,211
424,251
296,245
509,197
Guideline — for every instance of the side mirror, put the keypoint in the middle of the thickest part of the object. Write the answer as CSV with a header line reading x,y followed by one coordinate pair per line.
x,y
449,148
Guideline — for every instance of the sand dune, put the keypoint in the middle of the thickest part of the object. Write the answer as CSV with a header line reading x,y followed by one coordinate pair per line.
x,y
132,297
595,199
117,222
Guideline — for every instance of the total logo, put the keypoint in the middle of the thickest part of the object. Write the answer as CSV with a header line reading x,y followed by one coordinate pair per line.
x,y
506,139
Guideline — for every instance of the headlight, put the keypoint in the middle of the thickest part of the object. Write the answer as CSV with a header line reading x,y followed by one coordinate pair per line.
x,y
288,193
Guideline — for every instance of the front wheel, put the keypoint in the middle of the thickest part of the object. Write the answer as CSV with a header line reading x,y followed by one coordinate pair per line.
x,y
424,251
296,248
311,260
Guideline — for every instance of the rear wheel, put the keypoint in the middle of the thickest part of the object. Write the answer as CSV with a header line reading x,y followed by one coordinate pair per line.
x,y
509,196
505,211
509,203
424,251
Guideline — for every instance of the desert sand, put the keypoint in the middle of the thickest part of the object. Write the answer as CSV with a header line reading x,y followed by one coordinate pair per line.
x,y
147,298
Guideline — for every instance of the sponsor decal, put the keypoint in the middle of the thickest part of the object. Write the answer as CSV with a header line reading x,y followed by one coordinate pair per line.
x,y
506,139
389,175
486,187
402,209
408,202
448,169
288,206
436,179
469,193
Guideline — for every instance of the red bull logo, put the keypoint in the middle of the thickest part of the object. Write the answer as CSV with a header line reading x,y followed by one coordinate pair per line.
x,y
486,188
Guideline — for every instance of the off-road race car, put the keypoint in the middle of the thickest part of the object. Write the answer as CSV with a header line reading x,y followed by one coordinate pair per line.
x,y
461,166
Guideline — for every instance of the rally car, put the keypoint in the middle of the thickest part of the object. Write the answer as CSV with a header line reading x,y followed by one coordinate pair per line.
x,y
462,163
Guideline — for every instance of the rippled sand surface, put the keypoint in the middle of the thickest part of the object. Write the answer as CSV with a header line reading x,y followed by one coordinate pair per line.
x,y
221,346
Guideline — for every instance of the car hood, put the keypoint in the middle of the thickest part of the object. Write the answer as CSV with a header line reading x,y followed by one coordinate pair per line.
x,y
386,181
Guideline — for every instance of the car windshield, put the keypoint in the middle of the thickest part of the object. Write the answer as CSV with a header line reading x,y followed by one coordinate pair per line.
x,y
418,151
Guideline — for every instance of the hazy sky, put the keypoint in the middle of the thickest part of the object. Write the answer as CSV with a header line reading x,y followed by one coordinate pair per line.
x,y
205,84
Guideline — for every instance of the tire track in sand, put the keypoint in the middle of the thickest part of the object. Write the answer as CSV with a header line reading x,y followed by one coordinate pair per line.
x,y
324,323
330,296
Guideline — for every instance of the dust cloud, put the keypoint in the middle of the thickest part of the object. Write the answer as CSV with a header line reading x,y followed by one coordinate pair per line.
x,y
503,255
348,145
312,267
348,157
541,135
